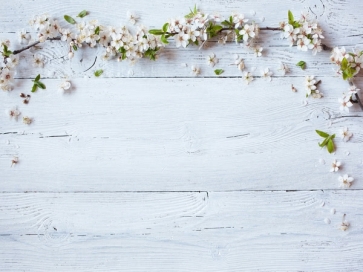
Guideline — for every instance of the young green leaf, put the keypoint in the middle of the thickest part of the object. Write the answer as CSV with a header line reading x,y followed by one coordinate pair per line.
x,y
75,48
344,64
97,30
165,27
40,85
195,9
291,17
98,72
324,142
322,133
34,88
330,146
156,32
37,78
6,51
69,19
218,71
301,64
163,39
82,14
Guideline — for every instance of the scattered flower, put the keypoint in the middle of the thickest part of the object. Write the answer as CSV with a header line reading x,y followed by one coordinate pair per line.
x,y
284,68
332,211
335,166
344,225
131,17
195,70
345,134
311,87
293,88
14,113
65,86
258,51
247,77
345,181
240,64
27,120
327,221
266,74
14,161
212,60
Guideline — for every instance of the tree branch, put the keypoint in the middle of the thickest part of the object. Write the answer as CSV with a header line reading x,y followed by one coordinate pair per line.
x,y
15,52
350,81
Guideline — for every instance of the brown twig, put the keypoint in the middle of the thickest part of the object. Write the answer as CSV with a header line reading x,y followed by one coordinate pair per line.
x,y
15,52
357,99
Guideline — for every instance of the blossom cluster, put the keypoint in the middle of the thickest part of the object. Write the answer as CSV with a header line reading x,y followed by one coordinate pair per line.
x,y
349,63
311,87
197,27
118,41
304,33
7,66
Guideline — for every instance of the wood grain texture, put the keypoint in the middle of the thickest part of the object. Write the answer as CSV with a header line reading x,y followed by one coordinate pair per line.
x,y
182,134
237,231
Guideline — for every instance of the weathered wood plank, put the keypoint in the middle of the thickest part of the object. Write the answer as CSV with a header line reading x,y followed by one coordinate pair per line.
x,y
237,231
182,134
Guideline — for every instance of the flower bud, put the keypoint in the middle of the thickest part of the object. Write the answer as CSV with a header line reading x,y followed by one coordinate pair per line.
x,y
70,55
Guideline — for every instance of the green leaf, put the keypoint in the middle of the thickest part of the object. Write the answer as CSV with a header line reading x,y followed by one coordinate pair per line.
x,y
34,88
226,23
195,9
296,24
322,133
218,71
69,19
156,31
344,64
75,48
82,14
37,78
98,72
344,74
330,146
97,30
163,39
40,85
301,64
324,142
291,17
165,27
6,51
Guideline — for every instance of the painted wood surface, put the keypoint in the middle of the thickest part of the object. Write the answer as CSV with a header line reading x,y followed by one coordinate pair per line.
x,y
235,231
151,169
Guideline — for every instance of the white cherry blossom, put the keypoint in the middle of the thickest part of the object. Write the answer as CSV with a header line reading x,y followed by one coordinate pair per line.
x,y
335,166
212,60
247,77
266,74
345,134
345,181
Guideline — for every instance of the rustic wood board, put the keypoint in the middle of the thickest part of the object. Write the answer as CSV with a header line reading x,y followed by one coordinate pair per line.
x,y
149,168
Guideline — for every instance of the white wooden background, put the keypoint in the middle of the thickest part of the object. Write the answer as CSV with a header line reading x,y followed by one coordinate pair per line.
x,y
151,169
